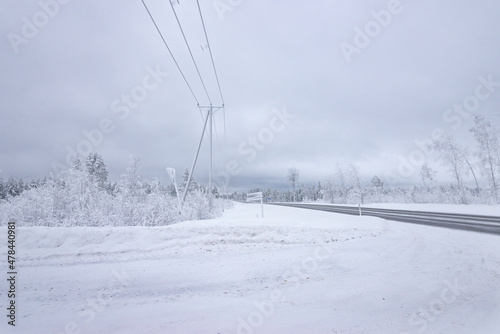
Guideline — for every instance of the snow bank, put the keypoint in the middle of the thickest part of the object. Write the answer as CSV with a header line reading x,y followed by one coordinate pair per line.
x,y
71,245
295,271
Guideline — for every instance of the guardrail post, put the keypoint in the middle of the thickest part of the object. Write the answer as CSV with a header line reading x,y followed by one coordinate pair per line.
x,y
262,207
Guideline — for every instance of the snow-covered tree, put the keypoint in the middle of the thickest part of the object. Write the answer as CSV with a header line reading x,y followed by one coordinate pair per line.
x,y
292,177
329,189
74,198
77,163
96,169
358,188
13,188
451,157
311,193
488,151
215,192
341,175
132,182
223,180
377,188
2,189
192,184
428,175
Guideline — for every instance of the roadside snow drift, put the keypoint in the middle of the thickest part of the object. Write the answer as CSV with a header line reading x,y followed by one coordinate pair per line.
x,y
295,271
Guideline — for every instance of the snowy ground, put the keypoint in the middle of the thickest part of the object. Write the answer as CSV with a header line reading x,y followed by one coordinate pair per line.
x,y
295,271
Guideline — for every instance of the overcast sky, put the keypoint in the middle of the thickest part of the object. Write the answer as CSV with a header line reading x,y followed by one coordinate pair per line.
x,y
306,84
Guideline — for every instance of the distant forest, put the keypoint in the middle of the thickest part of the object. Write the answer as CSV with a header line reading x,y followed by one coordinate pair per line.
x,y
83,196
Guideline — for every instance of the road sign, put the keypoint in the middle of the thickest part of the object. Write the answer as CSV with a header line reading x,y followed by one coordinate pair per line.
x,y
256,197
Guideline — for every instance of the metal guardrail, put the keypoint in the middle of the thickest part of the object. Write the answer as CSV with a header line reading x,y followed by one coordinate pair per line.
x,y
478,223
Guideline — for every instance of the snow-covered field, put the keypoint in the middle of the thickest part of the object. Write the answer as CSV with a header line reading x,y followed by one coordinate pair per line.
x,y
295,271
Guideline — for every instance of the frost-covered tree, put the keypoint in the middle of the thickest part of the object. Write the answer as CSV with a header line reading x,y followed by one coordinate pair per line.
x,y
2,189
377,182
192,184
452,158
329,189
223,179
72,198
358,188
341,175
488,151
132,182
77,163
318,191
13,187
377,188
96,169
131,193
292,177
467,158
215,192
311,193
428,175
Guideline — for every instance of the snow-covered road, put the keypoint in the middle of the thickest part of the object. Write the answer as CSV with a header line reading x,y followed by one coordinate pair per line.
x,y
295,271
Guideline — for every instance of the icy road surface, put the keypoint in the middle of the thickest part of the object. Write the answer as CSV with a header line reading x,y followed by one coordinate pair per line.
x,y
295,271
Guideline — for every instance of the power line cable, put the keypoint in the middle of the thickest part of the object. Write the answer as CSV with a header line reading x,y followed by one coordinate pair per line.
x,y
191,53
215,70
210,51
175,61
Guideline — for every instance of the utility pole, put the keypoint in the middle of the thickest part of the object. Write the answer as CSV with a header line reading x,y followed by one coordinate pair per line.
x,y
210,114
209,120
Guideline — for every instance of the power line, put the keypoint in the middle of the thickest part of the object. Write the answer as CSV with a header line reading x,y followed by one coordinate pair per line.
x,y
165,42
210,50
215,70
192,57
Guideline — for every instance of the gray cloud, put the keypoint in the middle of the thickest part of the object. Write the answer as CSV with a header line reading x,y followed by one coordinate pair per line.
x,y
269,55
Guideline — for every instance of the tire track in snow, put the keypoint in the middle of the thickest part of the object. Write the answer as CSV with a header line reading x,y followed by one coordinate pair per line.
x,y
158,243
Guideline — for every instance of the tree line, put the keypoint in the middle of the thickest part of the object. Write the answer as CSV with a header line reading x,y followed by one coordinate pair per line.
x,y
83,196
345,185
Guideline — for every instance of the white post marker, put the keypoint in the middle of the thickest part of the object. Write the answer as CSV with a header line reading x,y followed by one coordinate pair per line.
x,y
171,173
255,197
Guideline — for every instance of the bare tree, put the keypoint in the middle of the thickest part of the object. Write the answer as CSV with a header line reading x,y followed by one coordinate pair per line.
x,y
329,189
466,156
293,178
223,178
354,173
487,151
451,157
341,176
428,176
377,188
